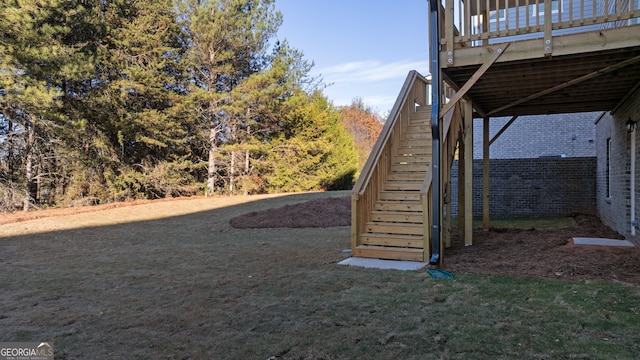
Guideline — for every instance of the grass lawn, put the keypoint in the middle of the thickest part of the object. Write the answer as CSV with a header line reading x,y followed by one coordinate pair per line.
x,y
172,280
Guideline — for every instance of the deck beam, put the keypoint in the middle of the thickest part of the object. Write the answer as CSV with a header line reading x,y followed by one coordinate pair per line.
x,y
566,84
497,52
592,41
504,128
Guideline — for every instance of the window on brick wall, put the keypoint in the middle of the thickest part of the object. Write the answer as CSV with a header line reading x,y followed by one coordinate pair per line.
x,y
608,170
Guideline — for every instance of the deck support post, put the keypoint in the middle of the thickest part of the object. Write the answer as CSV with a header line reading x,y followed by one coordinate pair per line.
x,y
462,180
485,174
548,41
468,171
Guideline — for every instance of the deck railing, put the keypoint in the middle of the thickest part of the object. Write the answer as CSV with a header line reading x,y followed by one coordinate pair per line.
x,y
470,23
365,192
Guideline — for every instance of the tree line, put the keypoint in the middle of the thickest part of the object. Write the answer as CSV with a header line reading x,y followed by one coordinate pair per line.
x,y
109,100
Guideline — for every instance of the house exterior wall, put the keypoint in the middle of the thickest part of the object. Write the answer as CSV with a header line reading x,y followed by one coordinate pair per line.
x,y
543,165
541,187
615,209
562,135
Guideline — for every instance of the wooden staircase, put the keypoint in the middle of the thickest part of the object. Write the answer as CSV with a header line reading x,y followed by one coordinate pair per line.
x,y
395,227
390,200
391,203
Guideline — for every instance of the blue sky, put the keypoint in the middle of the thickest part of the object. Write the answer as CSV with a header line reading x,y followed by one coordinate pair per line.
x,y
364,49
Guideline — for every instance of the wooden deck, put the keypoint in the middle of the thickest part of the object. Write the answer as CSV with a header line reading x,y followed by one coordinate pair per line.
x,y
497,58
585,59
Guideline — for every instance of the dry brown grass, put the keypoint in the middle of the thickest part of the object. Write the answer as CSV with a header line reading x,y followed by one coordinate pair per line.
x,y
173,280
153,280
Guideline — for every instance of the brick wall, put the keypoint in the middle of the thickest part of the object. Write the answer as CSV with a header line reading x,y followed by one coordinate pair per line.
x,y
615,210
571,135
533,187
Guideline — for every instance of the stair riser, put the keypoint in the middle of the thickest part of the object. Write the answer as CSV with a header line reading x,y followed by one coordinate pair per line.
x,y
395,228
398,207
417,243
406,176
398,196
415,218
413,159
410,167
414,128
417,136
414,150
402,186
426,143
421,116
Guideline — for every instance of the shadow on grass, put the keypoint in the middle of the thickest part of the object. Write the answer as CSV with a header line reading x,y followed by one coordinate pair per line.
x,y
191,286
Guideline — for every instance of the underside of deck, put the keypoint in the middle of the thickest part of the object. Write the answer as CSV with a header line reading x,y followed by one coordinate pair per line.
x,y
595,73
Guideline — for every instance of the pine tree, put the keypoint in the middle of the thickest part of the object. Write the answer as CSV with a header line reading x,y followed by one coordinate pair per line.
x,y
32,53
228,42
313,152
126,112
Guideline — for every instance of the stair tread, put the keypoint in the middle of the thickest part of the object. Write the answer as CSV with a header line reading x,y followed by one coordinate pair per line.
x,y
399,212
400,236
403,182
399,196
393,224
398,201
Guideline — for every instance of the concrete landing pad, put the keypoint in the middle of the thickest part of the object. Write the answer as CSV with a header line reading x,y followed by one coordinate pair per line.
x,y
602,242
383,264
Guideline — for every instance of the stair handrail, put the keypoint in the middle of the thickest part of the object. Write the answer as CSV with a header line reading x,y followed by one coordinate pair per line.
x,y
385,134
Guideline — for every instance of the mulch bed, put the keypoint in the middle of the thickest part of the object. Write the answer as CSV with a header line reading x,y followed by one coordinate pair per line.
x,y
318,213
546,253
534,253
530,253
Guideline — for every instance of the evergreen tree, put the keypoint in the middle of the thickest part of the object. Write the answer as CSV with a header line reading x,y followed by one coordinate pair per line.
x,y
32,54
110,100
258,105
125,111
313,152
228,42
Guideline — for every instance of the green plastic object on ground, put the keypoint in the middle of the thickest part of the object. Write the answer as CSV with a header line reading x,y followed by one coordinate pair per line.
x,y
440,274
